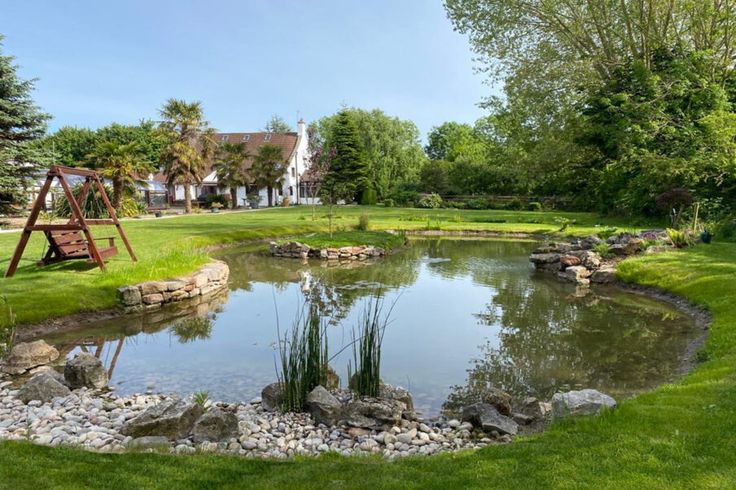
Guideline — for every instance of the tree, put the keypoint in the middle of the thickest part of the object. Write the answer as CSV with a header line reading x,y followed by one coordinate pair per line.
x,y
268,169
189,144
123,164
277,124
451,141
393,152
229,168
348,167
21,122
434,177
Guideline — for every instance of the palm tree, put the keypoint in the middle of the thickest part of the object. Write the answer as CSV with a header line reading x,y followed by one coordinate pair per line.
x,y
189,144
122,163
268,169
229,168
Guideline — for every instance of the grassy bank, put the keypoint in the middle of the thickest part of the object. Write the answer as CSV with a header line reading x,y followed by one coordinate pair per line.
x,y
678,436
173,246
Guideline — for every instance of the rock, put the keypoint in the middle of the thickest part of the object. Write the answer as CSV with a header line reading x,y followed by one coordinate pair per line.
x,y
85,370
271,397
604,275
27,355
570,260
215,425
397,393
522,419
42,387
577,274
589,259
531,407
544,258
324,407
499,399
129,295
486,417
153,299
149,442
583,402
153,287
172,418
373,413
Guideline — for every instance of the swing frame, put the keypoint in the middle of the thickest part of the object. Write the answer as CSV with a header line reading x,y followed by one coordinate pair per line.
x,y
83,248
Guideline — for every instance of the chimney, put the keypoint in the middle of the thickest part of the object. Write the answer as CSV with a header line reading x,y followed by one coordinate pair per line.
x,y
301,127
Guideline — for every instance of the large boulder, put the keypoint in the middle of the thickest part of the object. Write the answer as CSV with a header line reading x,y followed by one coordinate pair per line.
x,y
85,370
570,260
577,274
486,417
215,425
173,419
42,387
604,275
583,402
373,413
588,258
498,399
324,407
540,259
533,408
27,355
271,397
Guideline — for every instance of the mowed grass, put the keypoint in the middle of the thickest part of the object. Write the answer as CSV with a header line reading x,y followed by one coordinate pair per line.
x,y
172,247
679,436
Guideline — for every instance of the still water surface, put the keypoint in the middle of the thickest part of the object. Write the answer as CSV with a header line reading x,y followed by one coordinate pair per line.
x,y
467,313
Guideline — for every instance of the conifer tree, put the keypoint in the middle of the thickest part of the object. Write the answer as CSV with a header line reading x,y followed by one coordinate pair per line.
x,y
21,121
348,168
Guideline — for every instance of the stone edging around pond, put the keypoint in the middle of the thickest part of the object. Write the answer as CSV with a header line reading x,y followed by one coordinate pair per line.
x,y
153,294
297,250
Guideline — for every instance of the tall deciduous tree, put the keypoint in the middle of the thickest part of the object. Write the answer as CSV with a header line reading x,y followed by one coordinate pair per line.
x,y
229,168
21,122
189,144
269,168
124,164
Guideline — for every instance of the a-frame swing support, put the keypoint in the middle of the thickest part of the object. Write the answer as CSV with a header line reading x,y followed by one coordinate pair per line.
x,y
77,222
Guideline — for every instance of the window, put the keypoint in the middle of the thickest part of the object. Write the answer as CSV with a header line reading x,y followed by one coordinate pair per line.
x,y
246,137
293,172
267,137
224,137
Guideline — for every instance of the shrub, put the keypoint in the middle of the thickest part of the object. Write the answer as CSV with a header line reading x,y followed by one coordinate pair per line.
x,y
725,230
201,398
607,232
7,334
478,204
564,223
534,206
363,222
368,197
94,206
430,201
303,359
366,379
389,203
515,204
405,197
604,249
223,199
679,238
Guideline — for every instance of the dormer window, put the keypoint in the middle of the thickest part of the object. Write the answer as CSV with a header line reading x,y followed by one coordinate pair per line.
x,y
267,137
224,137
246,138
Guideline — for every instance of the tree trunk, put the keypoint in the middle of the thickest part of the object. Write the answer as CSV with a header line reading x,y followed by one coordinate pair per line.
x,y
187,199
117,195
270,196
234,197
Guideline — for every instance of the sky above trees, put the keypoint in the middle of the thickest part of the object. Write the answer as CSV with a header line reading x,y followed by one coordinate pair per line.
x,y
102,62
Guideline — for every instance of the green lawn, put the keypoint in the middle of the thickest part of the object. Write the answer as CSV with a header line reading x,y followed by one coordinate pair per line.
x,y
678,436
173,246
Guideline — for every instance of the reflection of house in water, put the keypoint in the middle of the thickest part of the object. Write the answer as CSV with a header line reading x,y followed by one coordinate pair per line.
x,y
187,320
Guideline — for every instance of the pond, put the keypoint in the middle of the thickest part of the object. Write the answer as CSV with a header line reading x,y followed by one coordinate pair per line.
x,y
466,314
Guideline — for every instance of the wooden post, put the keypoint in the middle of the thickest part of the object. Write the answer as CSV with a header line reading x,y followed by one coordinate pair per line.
x,y
114,216
40,200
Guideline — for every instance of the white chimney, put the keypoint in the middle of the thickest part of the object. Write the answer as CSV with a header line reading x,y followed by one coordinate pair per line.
x,y
301,127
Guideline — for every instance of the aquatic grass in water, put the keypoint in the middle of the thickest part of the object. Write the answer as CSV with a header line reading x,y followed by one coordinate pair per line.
x,y
303,358
367,349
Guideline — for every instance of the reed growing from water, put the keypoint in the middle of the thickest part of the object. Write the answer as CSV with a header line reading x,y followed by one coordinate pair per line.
x,y
303,359
367,343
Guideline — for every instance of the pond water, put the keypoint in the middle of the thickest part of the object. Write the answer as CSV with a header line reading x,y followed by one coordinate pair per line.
x,y
466,314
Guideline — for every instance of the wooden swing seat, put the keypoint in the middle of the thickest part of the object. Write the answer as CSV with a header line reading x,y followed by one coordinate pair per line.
x,y
71,245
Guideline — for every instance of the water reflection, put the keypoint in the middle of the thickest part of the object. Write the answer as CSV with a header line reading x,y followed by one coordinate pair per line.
x,y
471,313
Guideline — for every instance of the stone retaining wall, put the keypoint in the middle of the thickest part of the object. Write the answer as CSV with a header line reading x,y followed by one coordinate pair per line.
x,y
299,250
153,294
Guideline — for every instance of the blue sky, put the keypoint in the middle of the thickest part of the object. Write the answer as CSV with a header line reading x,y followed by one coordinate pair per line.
x,y
102,61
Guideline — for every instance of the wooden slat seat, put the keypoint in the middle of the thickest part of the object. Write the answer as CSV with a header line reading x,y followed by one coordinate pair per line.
x,y
71,244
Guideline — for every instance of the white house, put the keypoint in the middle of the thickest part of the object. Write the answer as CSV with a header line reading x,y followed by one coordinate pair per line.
x,y
295,150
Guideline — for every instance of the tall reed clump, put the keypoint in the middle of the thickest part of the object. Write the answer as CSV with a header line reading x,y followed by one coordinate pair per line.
x,y
7,328
366,379
304,359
